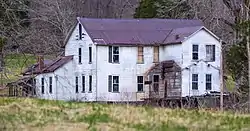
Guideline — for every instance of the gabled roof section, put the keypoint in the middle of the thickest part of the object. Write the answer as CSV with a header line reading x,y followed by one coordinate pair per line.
x,y
50,66
138,31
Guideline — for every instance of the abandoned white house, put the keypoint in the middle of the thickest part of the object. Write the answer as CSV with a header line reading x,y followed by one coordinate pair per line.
x,y
132,59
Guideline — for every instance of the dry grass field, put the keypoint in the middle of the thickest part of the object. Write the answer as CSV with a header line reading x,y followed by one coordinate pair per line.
x,y
35,115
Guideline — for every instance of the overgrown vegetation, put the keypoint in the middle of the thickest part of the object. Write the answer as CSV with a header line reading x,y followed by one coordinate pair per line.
x,y
31,114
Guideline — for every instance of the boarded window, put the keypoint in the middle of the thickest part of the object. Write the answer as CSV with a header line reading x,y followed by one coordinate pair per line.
x,y
90,54
42,82
195,52
113,54
113,83
194,81
210,52
140,55
156,79
156,54
90,83
80,55
50,85
77,91
140,84
83,84
208,82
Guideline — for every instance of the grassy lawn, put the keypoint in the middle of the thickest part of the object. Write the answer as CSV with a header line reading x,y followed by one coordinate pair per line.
x,y
31,114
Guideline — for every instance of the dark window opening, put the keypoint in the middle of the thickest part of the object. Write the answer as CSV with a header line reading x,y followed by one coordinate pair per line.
x,y
113,54
208,82
77,91
80,31
90,54
80,55
83,84
194,81
113,83
140,84
195,52
42,81
50,85
156,79
90,83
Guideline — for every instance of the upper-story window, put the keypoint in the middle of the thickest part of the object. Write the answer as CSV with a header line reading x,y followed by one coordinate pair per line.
x,y
195,52
140,57
80,31
156,54
210,52
80,55
90,55
113,54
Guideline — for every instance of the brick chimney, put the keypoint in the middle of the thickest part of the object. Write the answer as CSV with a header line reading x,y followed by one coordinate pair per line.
x,y
40,61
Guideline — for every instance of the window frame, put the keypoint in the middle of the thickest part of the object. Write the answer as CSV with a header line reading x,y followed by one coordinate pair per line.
x,y
42,86
112,54
156,54
50,84
195,52
140,84
80,55
111,83
212,51
208,82
140,55
80,31
156,89
196,82
76,84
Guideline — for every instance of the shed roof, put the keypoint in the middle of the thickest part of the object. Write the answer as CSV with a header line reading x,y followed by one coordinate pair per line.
x,y
139,31
50,65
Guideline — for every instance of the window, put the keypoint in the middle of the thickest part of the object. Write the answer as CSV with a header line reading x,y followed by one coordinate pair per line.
x,y
140,57
77,85
42,81
83,84
113,83
80,31
194,81
156,54
50,85
80,55
210,52
113,54
90,83
90,54
140,83
195,52
156,79
208,82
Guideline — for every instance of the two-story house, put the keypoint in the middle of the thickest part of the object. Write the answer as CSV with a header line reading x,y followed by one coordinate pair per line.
x,y
131,59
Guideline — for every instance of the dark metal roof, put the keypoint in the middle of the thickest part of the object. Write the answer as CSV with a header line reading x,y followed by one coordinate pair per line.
x,y
50,66
139,31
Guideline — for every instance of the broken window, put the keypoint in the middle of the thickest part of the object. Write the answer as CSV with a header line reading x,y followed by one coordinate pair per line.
x,y
156,54
195,52
194,81
113,54
208,82
140,57
156,79
140,83
113,83
210,52
50,85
